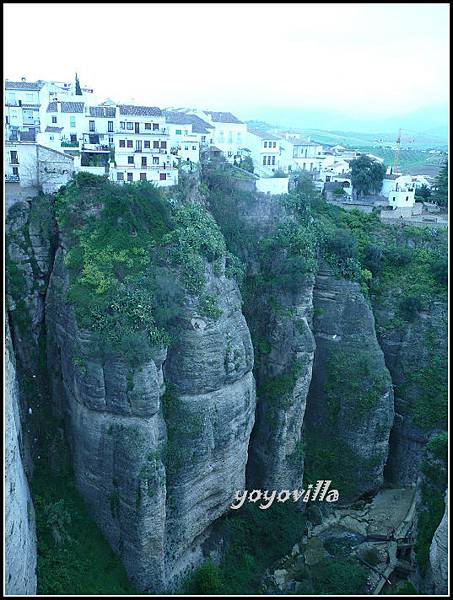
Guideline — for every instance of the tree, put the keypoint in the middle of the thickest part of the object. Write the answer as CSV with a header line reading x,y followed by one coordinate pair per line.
x,y
367,175
78,90
423,193
247,164
440,195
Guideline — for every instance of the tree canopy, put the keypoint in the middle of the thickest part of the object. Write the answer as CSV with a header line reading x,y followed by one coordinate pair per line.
x,y
440,194
367,175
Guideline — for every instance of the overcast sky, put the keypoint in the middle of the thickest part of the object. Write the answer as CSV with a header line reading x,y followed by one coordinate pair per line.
x,y
361,59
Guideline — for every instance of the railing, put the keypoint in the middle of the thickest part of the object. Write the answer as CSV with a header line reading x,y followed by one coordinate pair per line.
x,y
144,132
12,178
95,148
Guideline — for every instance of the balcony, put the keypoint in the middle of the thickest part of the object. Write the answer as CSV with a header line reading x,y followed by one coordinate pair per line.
x,y
162,131
95,148
9,178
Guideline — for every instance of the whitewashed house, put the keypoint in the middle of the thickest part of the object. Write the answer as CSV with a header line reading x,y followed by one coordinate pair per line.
x,y
22,107
186,135
70,116
399,190
228,133
142,147
264,151
30,167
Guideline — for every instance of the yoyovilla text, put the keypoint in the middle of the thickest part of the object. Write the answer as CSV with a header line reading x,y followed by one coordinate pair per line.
x,y
319,491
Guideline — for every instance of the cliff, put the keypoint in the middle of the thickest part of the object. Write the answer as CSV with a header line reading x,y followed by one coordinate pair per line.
x,y
350,403
20,531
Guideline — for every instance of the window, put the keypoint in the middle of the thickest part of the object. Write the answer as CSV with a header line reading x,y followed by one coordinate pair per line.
x,y
51,137
54,119
155,126
15,171
163,144
273,160
130,160
142,176
407,198
238,137
203,138
14,160
91,126
72,121
138,145
265,144
221,136
156,144
178,131
264,160
130,177
110,140
73,138
146,144
274,144
129,144
155,160
120,176
147,125
122,143
163,176
122,125
186,147
110,126
144,164
194,147
230,137
129,125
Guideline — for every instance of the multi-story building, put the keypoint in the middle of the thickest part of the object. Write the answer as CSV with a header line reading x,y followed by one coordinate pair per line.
x,y
264,151
228,134
30,168
142,148
23,101
184,141
70,116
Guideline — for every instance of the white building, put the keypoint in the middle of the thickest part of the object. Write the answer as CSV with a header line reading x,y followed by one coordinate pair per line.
x,y
187,135
142,148
400,190
228,132
30,167
22,106
70,117
264,151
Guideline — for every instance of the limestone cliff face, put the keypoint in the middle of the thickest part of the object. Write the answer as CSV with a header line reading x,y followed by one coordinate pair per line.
x,y
155,477
350,403
276,457
438,555
30,230
209,413
411,353
20,532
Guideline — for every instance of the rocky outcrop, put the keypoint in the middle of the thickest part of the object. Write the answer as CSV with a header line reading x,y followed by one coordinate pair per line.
x,y
350,403
156,469
30,232
415,354
438,555
20,529
283,376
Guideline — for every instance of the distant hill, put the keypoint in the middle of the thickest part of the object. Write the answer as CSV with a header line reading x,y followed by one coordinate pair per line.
x,y
427,126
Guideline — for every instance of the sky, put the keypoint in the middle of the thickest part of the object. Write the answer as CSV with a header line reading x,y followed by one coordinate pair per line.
x,y
366,61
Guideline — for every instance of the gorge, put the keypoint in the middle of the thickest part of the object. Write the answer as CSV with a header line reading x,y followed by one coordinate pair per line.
x,y
174,346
